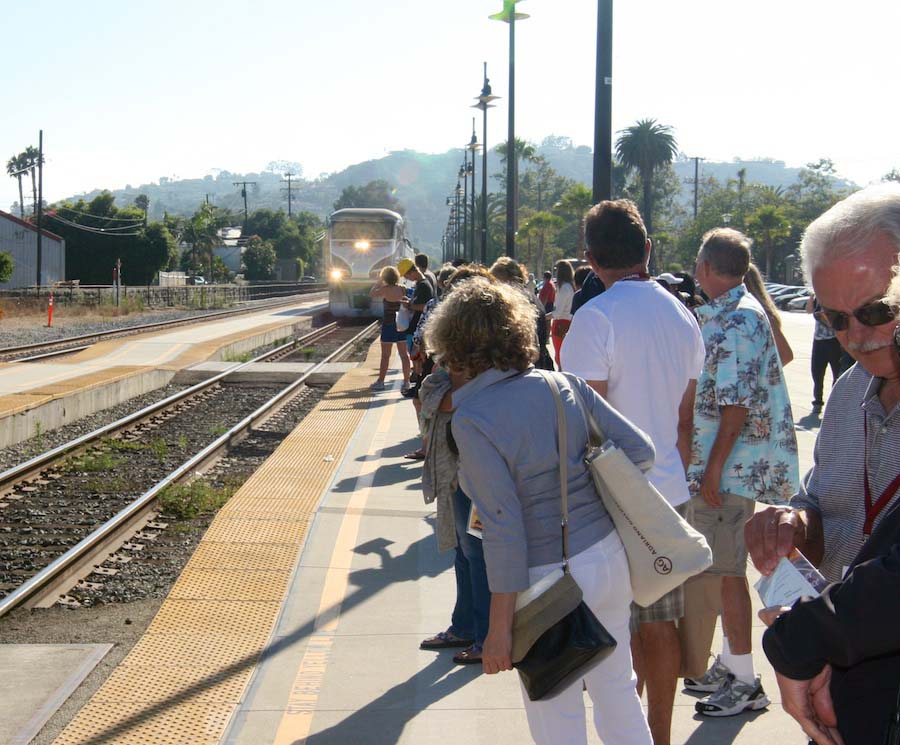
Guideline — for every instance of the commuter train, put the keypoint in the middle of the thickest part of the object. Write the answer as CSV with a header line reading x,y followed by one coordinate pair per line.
x,y
359,243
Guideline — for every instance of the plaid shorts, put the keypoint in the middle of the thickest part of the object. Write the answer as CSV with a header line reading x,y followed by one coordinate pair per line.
x,y
670,607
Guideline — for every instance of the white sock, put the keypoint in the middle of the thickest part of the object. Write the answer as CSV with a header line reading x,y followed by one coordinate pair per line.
x,y
742,667
726,648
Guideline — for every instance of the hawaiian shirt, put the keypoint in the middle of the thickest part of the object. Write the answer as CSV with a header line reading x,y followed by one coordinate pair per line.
x,y
743,369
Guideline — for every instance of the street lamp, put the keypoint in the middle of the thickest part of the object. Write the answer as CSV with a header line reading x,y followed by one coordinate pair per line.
x,y
510,16
474,147
463,174
484,103
459,243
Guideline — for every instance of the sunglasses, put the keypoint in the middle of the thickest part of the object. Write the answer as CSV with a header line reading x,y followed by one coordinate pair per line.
x,y
871,314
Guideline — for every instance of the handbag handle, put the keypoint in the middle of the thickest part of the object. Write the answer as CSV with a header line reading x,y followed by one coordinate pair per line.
x,y
563,443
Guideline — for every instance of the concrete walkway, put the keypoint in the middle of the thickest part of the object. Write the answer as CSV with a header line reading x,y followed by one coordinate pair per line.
x,y
371,584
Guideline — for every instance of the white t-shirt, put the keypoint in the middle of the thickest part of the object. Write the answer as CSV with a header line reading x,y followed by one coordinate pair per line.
x,y
647,345
562,306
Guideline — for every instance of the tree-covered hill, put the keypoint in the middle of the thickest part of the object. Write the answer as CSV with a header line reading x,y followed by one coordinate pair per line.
x,y
422,182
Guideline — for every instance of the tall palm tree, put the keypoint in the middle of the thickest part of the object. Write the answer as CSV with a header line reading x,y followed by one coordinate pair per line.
x,y
543,226
770,226
645,147
14,168
30,161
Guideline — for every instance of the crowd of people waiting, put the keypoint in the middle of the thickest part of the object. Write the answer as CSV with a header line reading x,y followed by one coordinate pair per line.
x,y
685,374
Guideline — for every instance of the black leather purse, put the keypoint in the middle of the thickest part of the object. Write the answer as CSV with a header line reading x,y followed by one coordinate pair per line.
x,y
556,636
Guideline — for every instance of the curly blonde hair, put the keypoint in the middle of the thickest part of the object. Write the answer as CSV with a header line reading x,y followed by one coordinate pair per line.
x,y
480,325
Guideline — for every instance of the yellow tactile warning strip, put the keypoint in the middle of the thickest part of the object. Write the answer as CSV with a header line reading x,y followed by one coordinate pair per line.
x,y
183,680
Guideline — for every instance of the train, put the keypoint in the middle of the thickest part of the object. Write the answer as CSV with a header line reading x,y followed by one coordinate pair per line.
x,y
359,243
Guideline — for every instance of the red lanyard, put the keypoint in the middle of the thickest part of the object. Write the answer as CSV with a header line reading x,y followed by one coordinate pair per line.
x,y
874,510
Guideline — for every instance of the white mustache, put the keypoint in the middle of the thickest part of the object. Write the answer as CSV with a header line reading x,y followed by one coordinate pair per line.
x,y
867,346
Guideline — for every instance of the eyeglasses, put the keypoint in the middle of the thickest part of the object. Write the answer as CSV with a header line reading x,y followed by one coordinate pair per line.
x,y
871,314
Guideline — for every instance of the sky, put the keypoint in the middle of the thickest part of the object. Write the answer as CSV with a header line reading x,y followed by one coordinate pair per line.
x,y
129,92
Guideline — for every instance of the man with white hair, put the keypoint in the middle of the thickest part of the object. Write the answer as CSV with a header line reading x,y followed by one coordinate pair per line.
x,y
852,489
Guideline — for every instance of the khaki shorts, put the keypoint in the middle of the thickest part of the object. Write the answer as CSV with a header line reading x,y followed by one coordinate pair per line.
x,y
723,528
702,607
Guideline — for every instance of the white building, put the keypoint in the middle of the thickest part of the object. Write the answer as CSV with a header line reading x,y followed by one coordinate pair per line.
x,y
19,239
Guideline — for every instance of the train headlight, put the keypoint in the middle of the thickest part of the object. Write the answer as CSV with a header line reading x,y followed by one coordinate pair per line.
x,y
361,245
336,275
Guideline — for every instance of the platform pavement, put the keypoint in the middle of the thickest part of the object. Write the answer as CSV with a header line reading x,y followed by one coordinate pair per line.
x,y
370,585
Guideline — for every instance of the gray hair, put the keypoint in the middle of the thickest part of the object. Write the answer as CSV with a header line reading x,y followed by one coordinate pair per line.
x,y
893,293
847,228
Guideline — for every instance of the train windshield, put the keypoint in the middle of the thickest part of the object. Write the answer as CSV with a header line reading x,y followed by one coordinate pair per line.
x,y
359,230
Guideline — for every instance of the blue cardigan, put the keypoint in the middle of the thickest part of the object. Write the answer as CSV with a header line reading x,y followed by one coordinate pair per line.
x,y
505,429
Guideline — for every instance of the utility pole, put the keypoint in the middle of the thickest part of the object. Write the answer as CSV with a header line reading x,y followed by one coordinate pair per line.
x,y
602,186
40,204
696,182
288,176
244,185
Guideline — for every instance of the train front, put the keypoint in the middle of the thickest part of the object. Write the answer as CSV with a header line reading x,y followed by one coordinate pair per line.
x,y
360,246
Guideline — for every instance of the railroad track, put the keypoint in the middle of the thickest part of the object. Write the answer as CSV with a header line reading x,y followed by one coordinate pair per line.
x,y
65,512
71,344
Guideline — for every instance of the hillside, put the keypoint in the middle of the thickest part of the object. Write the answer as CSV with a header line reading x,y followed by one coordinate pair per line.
x,y
422,182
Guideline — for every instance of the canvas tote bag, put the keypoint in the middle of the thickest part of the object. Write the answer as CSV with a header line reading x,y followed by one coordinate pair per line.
x,y
663,549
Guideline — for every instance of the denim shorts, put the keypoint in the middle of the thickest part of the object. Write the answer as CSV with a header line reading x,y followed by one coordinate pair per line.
x,y
390,334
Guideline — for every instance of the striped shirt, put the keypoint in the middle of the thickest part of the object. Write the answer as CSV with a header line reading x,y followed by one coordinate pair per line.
x,y
834,485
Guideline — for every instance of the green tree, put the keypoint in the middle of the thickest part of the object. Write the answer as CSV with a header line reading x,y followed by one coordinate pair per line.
x,y
768,226
142,202
15,169
645,147
259,259
892,175
6,266
159,251
201,231
378,193
542,227
577,200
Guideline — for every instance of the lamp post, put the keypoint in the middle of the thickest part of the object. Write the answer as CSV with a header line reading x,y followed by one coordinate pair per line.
x,y
459,243
602,186
510,16
463,174
474,147
484,103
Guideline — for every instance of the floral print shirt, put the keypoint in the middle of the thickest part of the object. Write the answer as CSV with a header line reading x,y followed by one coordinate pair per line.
x,y
743,369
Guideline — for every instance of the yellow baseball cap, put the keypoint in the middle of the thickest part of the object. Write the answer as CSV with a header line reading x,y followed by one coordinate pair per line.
x,y
404,266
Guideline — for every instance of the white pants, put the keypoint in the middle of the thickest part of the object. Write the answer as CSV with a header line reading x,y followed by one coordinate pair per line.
x,y
602,573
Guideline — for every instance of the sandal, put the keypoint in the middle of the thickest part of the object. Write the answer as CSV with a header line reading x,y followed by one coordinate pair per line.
x,y
468,656
416,455
445,640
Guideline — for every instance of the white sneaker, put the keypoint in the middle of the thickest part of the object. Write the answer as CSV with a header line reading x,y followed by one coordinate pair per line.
x,y
711,680
735,696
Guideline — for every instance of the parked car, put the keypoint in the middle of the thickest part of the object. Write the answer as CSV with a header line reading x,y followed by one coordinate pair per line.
x,y
308,280
197,280
798,303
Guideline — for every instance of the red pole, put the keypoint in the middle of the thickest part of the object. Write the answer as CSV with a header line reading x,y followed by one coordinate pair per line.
x,y
50,311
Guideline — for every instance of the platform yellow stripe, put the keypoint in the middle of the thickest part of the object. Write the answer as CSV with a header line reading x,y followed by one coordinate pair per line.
x,y
183,680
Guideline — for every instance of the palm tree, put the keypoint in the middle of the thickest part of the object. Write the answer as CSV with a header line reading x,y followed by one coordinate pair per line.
x,y
30,161
14,168
575,202
769,225
544,226
645,147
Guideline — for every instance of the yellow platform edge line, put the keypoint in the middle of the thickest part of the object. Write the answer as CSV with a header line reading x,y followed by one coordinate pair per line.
x,y
177,700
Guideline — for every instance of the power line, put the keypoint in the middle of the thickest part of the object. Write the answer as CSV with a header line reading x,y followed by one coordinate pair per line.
x,y
288,176
87,229
100,217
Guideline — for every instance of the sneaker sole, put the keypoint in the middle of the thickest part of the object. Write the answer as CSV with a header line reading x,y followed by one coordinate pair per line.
x,y
760,703
701,688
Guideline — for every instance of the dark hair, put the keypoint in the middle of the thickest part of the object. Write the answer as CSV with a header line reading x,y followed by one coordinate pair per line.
x,y
421,261
727,251
548,275
688,285
581,274
459,262
615,234
564,272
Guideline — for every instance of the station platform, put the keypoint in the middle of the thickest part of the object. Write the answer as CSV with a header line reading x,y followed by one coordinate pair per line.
x,y
43,395
299,617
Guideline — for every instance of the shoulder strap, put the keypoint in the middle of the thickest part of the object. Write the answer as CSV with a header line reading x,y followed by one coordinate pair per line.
x,y
563,441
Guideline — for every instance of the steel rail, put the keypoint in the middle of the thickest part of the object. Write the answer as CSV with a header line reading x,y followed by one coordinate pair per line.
x,y
39,462
66,561
150,326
